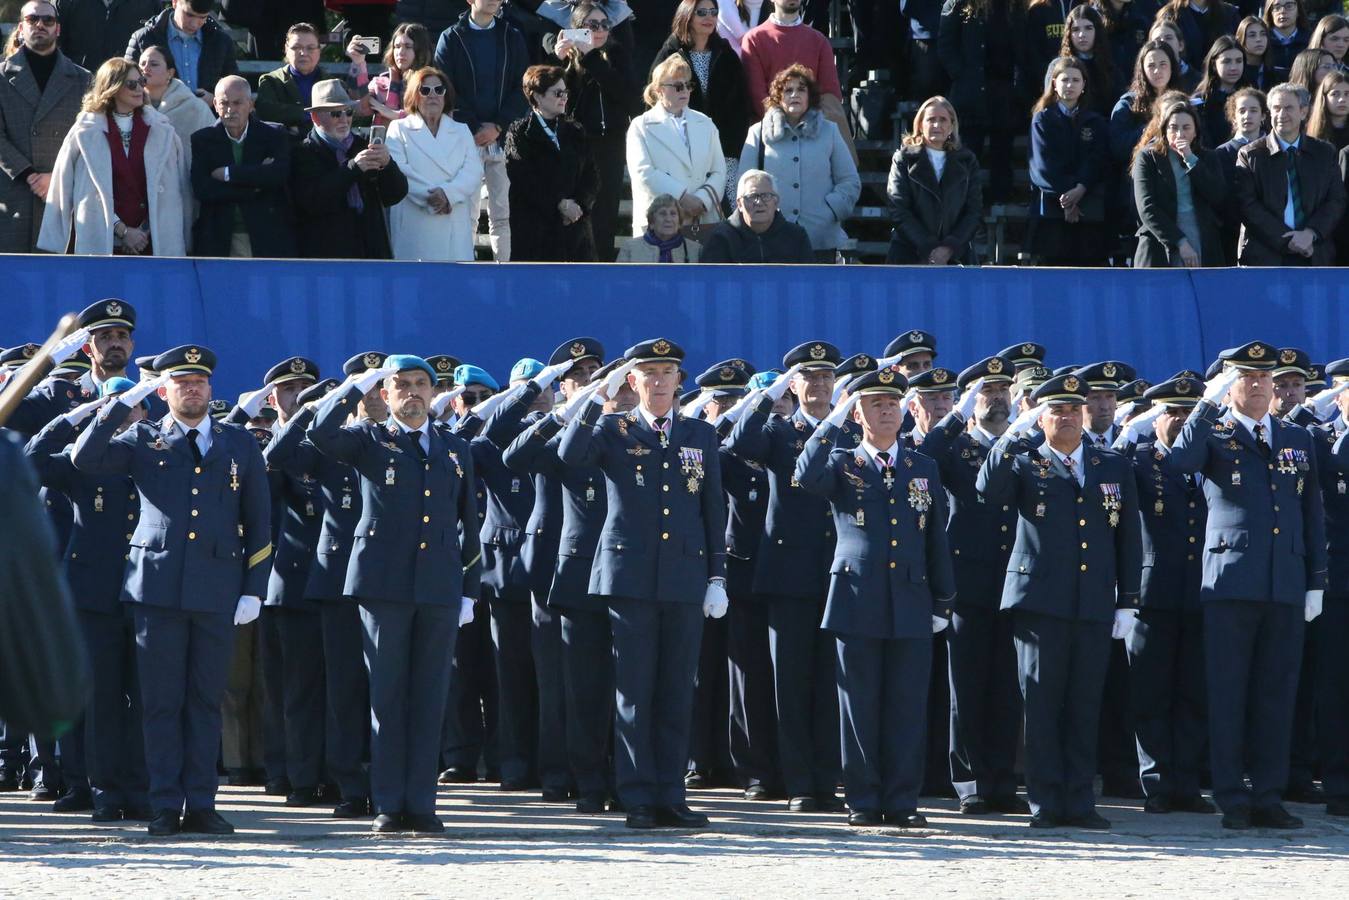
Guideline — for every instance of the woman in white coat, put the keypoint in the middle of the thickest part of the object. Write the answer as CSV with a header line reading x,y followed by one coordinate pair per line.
x,y
437,154
675,150
119,184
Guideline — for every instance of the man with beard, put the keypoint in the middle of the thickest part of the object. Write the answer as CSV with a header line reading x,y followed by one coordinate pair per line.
x,y
197,567
985,703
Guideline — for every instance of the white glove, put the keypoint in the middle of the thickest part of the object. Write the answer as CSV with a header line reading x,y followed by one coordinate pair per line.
x,y
1215,389
1322,403
694,408
735,412
840,386
84,411
884,361
906,403
1123,412
465,611
132,396
781,383
1314,599
1027,419
552,373
441,402
1141,426
939,624
248,609
1124,623
615,379
69,345
576,401
364,381
252,402
488,406
841,413
715,602
968,399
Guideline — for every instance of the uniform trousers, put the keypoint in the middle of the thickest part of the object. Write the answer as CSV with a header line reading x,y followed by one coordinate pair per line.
x,y
114,744
242,743
710,738
1331,630
1116,748
346,731
546,643
753,710
588,677
807,696
1166,686
517,687
470,732
273,693
985,703
301,634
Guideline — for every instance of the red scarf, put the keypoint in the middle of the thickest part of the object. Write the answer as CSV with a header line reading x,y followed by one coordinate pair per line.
x,y
130,191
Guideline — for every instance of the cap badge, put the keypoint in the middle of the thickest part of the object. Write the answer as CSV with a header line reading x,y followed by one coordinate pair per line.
x,y
1183,386
1028,349
818,351
297,366
886,376
994,366
442,365
727,374
1108,370
193,355
862,360
29,351
940,376
578,350
915,337
1288,356
372,360
661,347
1070,383
1257,351
113,308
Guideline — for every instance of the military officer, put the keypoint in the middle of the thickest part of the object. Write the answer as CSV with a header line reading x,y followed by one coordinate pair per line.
x,y
913,352
198,566
849,369
890,587
661,567
1331,629
1104,380
1264,570
985,700
1024,383
791,574
413,570
444,364
1024,355
1073,572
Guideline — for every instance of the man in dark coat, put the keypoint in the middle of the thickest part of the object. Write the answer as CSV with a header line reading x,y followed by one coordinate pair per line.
x,y
95,30
341,184
203,49
756,232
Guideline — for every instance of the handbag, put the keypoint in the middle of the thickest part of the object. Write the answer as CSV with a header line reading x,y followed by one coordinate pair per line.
x,y
696,230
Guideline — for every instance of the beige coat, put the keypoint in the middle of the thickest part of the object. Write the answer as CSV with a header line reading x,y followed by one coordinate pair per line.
x,y
448,160
187,113
659,163
636,250
80,200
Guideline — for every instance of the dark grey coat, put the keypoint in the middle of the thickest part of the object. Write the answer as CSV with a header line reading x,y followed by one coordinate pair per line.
x,y
926,213
1155,194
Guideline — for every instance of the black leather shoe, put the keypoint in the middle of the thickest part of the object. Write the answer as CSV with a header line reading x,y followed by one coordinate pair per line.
x,y
1304,793
864,818
423,824
74,800
1237,819
803,804
1044,820
104,815
590,804
641,817
1092,820
1159,805
240,778
1274,817
1338,808
41,792
830,803
906,819
1123,789
695,779
138,813
165,823
458,775
387,823
1011,804
679,817
1195,804
277,787
973,806
556,795
206,821
756,792
302,797
516,785
352,809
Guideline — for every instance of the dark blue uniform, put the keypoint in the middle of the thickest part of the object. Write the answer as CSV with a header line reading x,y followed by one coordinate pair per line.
x,y
1331,628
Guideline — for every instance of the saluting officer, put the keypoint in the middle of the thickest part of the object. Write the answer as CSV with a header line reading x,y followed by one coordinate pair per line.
x,y
661,565
1024,383
1332,627
985,700
197,568
1264,569
1024,355
791,574
1073,572
890,588
413,570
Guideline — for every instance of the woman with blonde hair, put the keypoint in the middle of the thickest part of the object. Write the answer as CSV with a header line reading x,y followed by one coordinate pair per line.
x,y
934,193
120,184
675,150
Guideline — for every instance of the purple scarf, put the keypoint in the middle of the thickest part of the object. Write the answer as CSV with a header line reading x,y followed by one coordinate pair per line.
x,y
340,150
665,247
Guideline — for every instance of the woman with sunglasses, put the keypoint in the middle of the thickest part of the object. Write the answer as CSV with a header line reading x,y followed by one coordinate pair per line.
x,y
120,185
437,154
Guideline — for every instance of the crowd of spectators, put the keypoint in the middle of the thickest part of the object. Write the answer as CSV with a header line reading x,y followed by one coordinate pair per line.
x,y
1191,133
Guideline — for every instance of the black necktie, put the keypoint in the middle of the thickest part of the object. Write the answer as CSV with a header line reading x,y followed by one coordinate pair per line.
x,y
1260,443
192,444
416,437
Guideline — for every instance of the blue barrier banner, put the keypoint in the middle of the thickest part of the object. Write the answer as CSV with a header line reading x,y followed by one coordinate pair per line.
x,y
256,312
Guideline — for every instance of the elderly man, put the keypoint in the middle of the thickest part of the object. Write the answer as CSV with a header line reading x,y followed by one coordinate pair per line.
x,y
203,50
341,184
240,167
284,93
757,232
40,92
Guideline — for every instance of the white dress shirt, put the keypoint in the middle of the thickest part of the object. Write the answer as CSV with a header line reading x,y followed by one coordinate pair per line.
x,y
203,432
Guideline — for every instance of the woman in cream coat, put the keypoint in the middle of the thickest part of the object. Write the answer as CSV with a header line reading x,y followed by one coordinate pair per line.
x,y
675,150
82,201
437,154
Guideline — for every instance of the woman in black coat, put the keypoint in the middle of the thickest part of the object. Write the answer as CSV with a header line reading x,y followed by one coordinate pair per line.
x,y
934,192
1170,162
554,180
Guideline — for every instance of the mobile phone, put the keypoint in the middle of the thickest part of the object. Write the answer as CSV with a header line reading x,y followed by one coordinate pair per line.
x,y
377,133
369,45
577,35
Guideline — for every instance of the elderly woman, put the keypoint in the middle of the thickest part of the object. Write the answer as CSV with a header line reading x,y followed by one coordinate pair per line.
x,y
186,112
554,179
120,184
675,150
807,157
409,50
437,154
934,193
662,242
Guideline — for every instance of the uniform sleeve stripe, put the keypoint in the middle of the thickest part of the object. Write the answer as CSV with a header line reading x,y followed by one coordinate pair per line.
x,y
260,557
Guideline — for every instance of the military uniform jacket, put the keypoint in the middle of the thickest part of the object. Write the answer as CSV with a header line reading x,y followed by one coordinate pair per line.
x,y
300,503
798,541
510,497
746,485
51,398
1173,509
340,492
584,506
891,571
1078,551
544,528
105,511
1332,465
980,533
664,532
203,536
415,541
1265,538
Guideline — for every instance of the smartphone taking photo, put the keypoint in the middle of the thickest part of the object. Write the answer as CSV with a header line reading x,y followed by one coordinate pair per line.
x,y
377,134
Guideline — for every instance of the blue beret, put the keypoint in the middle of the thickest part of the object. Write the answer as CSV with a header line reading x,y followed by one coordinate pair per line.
x,y
115,386
405,361
468,374
763,379
526,369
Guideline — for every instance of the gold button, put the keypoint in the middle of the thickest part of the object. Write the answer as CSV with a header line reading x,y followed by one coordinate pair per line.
x,y
955,552
128,556
1276,509
1084,567
426,518
128,537
1191,539
195,491
131,496
426,493
1079,499
665,535
894,543
131,516
74,556
1004,527
194,514
191,535
1190,557
779,540
1003,547
892,501
428,467
894,521
892,565
665,465
664,487
423,545
1191,504
1084,545
1192,520
618,546
1006,508
1276,530
197,470
1081,521
667,512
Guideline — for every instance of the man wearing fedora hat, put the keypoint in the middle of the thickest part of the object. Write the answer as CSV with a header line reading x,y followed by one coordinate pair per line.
x,y
341,183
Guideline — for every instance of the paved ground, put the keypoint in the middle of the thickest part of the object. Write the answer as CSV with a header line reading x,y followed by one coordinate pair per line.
x,y
499,845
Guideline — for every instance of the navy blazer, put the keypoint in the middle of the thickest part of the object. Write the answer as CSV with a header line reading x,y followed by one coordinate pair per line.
x,y
664,531
509,503
1072,559
1332,465
1266,537
415,541
1066,151
891,571
203,538
105,511
51,398
299,500
1173,510
746,485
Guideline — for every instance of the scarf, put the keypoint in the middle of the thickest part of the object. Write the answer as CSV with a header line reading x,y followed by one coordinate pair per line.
x,y
340,150
666,247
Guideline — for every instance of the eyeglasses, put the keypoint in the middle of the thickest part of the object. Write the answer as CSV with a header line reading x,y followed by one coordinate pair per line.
x,y
704,12
427,90
761,198
1286,7
47,21
678,87
558,92
473,398
341,113
303,48
134,84
599,25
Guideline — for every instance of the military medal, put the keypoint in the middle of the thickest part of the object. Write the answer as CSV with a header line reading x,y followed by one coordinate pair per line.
x,y
98,503
641,480
1236,478
1339,485
691,464
920,499
1039,510
860,518
458,469
389,474
1158,508
234,475
693,484
1299,485
346,498
590,493
309,508
1110,500
515,485
664,440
